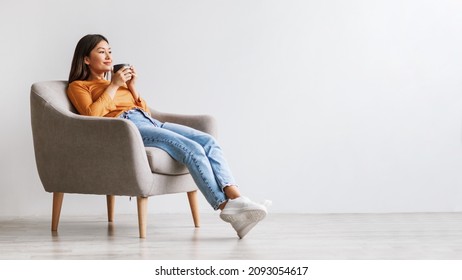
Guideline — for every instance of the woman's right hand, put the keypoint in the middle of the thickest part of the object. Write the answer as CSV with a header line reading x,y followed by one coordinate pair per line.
x,y
121,77
118,79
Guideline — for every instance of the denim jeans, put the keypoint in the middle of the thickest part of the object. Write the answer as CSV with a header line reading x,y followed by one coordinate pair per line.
x,y
199,151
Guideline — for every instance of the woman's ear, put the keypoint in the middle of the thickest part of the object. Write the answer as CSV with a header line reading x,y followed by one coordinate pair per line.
x,y
86,60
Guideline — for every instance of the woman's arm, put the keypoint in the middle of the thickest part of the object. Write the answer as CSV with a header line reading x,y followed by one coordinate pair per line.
x,y
82,100
131,84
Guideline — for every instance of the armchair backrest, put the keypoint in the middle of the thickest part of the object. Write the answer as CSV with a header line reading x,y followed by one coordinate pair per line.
x,y
54,93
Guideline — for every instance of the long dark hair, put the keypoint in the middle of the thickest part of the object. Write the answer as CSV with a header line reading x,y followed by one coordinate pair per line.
x,y
79,70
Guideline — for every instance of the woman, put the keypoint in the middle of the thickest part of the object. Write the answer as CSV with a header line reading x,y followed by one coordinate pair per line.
x,y
93,95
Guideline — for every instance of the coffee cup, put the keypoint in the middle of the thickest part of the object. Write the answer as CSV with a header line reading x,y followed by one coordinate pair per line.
x,y
117,67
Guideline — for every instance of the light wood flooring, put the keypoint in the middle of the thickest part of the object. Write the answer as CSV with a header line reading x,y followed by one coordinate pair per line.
x,y
280,236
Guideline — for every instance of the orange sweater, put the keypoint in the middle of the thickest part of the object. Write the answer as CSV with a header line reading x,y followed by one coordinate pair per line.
x,y
89,99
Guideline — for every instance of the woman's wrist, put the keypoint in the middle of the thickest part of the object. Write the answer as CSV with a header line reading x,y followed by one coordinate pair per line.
x,y
135,94
112,89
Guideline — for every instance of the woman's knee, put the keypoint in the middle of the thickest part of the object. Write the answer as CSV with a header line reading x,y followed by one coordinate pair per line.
x,y
195,148
208,140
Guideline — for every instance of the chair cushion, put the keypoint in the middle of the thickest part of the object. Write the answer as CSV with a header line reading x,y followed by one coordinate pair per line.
x,y
162,163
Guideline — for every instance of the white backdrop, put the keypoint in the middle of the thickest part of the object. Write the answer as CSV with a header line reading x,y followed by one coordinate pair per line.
x,y
323,106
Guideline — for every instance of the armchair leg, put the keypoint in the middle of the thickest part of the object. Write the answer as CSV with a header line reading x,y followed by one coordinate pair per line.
x,y
57,203
110,207
142,203
194,205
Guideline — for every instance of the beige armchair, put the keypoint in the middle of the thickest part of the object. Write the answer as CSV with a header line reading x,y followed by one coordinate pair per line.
x,y
104,156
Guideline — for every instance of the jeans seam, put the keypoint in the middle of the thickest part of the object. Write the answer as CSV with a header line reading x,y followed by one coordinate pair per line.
x,y
222,181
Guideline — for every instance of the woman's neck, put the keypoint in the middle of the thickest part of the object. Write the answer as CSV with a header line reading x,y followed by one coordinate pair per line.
x,y
96,76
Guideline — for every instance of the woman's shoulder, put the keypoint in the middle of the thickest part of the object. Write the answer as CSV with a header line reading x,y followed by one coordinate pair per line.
x,y
87,84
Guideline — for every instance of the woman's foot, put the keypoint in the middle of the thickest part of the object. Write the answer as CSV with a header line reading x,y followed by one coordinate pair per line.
x,y
243,214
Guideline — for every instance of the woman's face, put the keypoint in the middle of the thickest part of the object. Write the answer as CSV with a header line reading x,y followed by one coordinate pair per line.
x,y
100,58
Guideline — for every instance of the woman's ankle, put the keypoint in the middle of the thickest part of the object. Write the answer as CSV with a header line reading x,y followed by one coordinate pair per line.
x,y
231,192
222,206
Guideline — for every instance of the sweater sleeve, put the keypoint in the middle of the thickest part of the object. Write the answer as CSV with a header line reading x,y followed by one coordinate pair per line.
x,y
142,104
82,100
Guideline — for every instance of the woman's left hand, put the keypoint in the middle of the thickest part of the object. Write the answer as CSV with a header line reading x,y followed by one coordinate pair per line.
x,y
131,83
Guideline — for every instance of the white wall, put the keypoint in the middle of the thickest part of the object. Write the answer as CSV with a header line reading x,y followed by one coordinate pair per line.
x,y
323,106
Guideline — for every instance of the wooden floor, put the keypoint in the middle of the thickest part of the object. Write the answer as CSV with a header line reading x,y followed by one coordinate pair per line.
x,y
280,236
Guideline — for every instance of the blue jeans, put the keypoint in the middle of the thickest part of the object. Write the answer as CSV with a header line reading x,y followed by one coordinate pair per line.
x,y
199,151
